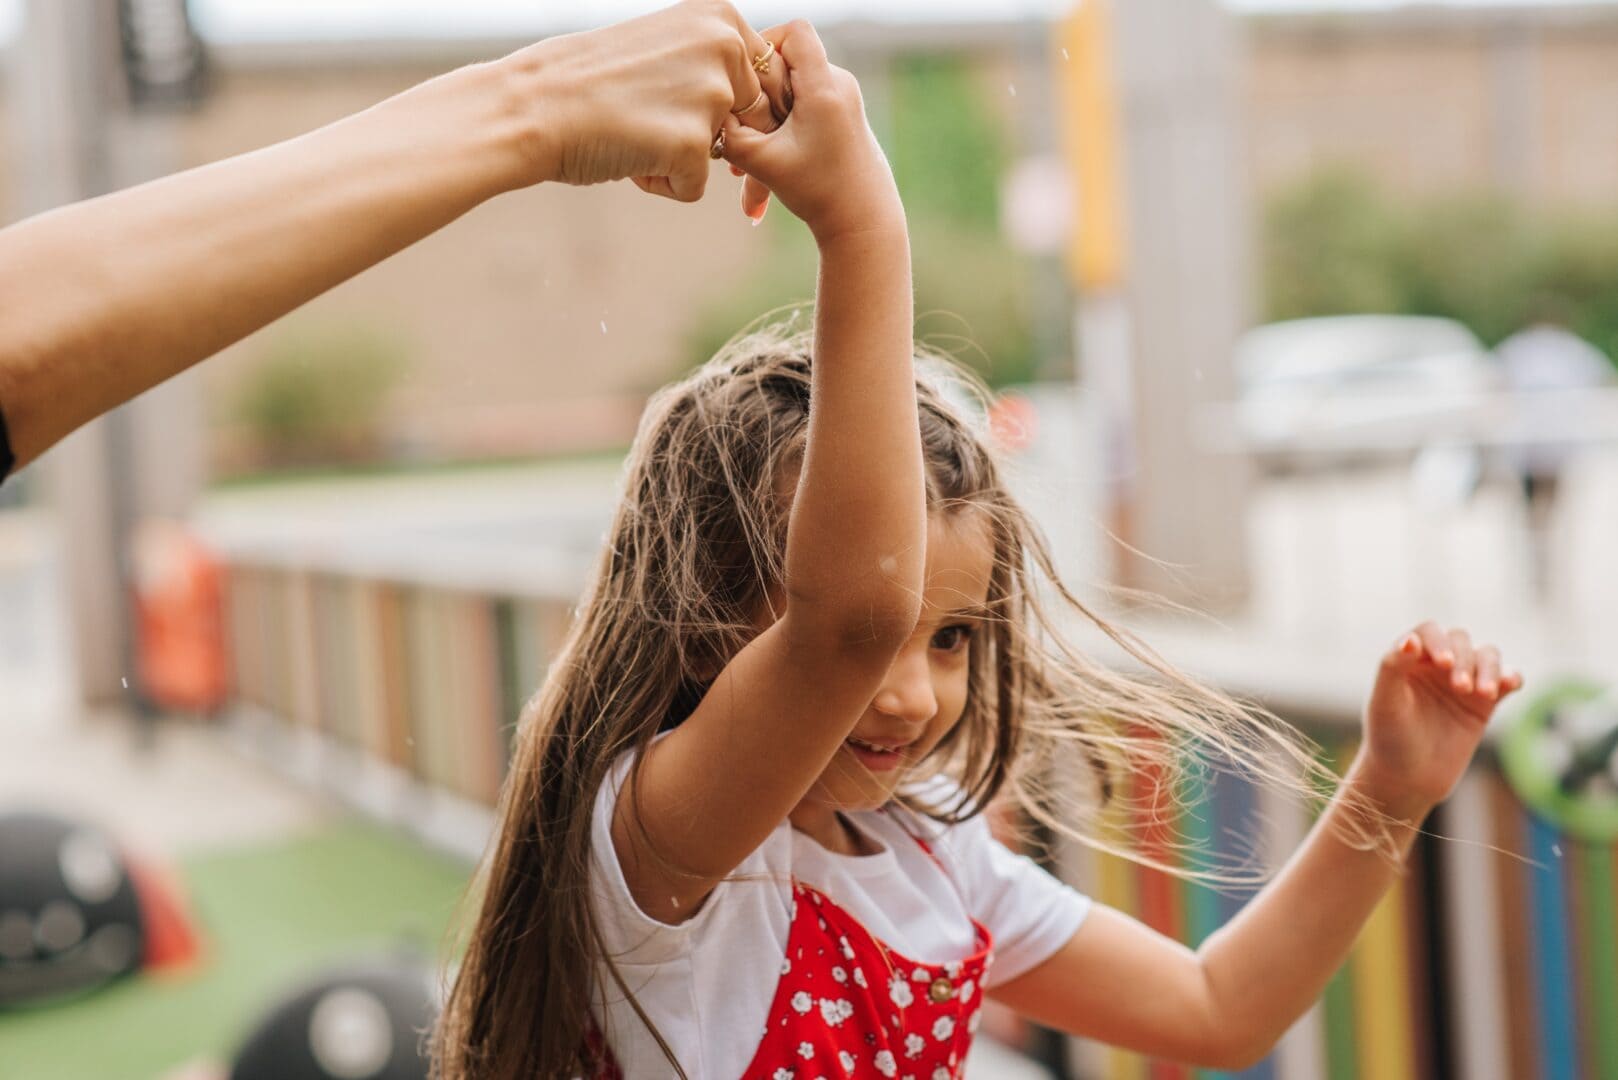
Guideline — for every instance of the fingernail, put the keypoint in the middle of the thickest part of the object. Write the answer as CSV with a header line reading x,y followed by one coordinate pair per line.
x,y
1486,687
1446,658
1463,682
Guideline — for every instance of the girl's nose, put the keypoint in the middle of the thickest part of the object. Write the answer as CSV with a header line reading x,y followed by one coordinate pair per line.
x,y
907,692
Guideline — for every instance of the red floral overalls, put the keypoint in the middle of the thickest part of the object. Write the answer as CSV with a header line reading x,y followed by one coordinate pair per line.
x,y
848,1007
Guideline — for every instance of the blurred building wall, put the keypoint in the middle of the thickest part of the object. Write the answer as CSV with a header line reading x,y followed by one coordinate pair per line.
x,y
505,309
1431,99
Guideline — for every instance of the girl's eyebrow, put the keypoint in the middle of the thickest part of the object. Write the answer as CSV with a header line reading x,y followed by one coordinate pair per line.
x,y
971,610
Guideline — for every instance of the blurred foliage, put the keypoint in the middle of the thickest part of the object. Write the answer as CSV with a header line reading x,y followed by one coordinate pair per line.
x,y
972,290
945,145
1337,244
318,395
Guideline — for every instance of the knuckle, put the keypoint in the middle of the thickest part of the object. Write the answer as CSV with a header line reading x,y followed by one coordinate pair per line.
x,y
718,93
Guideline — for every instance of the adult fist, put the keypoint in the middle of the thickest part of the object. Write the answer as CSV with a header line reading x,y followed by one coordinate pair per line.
x,y
645,98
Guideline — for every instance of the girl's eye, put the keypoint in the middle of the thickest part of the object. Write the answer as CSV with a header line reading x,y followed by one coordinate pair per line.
x,y
952,638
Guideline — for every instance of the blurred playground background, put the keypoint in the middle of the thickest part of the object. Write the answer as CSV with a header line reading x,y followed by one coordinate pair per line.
x,y
1303,316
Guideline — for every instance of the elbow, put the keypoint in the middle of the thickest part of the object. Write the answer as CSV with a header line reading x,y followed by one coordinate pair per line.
x,y
1231,1039
875,618
1231,1048
866,623
1229,1055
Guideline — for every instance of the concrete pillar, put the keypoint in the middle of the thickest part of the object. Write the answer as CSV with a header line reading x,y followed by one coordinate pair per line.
x,y
1163,270
73,139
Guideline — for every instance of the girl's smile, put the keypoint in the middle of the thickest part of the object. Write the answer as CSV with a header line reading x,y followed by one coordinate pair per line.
x,y
874,759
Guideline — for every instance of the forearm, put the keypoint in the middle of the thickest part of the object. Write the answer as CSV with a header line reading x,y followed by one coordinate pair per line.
x,y
109,297
1271,962
859,521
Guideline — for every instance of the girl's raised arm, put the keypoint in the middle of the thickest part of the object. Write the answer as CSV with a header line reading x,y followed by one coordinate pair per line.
x,y
714,788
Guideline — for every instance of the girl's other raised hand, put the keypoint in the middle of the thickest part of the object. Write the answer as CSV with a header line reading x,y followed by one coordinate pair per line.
x,y
823,162
1433,697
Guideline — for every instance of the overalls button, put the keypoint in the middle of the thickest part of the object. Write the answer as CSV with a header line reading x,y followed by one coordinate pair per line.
x,y
941,990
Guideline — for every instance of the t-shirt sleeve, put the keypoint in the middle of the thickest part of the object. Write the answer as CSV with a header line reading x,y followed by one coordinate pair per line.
x,y
631,935
1030,912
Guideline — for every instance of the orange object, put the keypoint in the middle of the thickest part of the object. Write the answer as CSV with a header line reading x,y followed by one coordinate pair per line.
x,y
180,620
1013,422
173,943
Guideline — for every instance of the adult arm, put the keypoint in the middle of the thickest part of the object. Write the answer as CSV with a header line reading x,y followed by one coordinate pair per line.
x,y
106,298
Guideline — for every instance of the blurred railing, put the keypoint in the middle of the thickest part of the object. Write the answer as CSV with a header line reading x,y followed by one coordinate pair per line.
x,y
399,696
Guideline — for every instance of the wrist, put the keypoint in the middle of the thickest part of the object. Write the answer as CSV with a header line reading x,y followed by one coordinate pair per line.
x,y
1395,800
523,130
879,217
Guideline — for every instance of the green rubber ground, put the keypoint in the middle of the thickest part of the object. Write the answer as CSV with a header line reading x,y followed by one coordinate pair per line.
x,y
269,915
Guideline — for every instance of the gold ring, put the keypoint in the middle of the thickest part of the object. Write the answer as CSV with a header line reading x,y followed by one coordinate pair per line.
x,y
761,62
761,99
717,150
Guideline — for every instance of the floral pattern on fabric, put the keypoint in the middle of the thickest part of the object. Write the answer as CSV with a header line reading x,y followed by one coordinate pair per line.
x,y
849,1008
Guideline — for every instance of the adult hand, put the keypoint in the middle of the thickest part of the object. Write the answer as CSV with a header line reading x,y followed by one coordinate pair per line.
x,y
644,99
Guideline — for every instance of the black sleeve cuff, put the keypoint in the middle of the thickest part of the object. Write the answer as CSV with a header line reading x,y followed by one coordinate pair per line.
x,y
7,459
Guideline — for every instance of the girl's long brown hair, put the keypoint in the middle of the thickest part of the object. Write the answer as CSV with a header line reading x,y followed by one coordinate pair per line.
x,y
694,548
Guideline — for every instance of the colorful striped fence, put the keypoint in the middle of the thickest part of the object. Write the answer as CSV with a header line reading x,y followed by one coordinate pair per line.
x,y
410,687
1481,965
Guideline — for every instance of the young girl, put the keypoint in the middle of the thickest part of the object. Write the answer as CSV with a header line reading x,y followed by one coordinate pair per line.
x,y
743,834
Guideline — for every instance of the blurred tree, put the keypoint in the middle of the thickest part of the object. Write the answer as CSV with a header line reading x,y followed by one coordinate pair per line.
x,y
1336,244
1576,277
318,395
946,149
1329,245
1470,257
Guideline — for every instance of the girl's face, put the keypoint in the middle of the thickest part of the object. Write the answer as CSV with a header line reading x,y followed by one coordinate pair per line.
x,y
924,692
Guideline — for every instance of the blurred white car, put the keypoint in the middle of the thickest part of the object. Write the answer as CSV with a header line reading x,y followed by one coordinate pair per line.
x,y
1331,391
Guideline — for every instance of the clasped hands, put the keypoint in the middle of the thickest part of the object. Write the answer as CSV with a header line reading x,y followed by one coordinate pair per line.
x,y
648,99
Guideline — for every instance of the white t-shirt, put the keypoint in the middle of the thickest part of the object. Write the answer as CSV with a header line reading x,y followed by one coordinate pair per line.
x,y
708,983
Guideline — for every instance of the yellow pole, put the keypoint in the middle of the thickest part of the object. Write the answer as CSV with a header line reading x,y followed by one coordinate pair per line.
x,y
1090,141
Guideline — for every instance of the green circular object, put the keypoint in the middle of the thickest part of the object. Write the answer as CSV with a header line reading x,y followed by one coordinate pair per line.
x,y
1559,753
